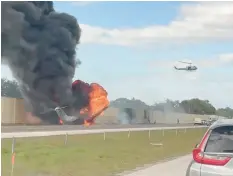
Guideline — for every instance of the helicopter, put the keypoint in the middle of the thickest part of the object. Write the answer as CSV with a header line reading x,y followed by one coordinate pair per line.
x,y
189,67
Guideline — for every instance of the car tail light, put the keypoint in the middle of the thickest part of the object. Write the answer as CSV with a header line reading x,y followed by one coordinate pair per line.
x,y
200,157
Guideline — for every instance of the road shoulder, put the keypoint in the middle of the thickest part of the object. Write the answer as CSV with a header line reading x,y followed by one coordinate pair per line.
x,y
177,167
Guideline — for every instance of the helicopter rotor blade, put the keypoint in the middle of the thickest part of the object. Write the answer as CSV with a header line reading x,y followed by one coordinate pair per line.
x,y
185,62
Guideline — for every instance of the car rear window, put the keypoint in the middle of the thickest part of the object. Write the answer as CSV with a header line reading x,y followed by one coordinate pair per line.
x,y
220,140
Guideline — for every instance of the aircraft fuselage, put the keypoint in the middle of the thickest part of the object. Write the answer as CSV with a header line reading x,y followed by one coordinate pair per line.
x,y
189,68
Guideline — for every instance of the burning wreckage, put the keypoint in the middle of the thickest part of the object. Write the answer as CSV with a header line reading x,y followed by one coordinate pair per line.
x,y
38,45
95,102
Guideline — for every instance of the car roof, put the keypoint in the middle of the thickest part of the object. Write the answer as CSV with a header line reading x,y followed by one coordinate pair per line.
x,y
221,122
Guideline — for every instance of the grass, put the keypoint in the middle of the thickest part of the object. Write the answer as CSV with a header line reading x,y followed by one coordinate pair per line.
x,y
89,155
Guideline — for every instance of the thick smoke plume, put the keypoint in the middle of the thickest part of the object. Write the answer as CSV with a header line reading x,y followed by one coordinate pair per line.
x,y
38,44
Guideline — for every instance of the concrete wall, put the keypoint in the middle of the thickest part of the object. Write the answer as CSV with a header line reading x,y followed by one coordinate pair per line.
x,y
12,112
172,117
109,116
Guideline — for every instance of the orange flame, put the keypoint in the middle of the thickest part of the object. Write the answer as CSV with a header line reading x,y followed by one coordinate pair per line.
x,y
84,110
13,159
60,122
98,102
88,123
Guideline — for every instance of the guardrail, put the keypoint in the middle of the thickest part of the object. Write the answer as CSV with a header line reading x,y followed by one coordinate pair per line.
x,y
93,131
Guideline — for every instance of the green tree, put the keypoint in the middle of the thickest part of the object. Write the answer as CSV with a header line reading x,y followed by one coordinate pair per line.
x,y
126,103
192,106
225,112
197,106
168,106
10,88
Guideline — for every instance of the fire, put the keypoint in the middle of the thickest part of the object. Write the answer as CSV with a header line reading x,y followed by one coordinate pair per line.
x,y
84,110
60,122
88,123
98,101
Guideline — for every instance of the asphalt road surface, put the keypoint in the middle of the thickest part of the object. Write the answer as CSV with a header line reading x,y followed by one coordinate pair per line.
x,y
175,167
27,128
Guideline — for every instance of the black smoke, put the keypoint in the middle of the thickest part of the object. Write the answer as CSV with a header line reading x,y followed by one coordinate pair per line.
x,y
38,45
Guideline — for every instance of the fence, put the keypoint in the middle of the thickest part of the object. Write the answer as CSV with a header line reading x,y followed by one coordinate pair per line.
x,y
13,112
93,131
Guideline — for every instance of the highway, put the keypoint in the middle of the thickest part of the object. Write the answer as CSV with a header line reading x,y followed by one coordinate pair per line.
x,y
175,167
28,128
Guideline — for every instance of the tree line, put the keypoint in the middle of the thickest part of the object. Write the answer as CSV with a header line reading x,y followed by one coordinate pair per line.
x,y
193,106
10,88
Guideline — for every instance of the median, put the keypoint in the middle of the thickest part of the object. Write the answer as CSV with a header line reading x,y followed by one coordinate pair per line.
x,y
95,154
